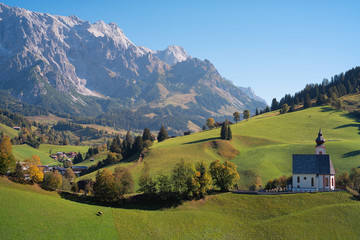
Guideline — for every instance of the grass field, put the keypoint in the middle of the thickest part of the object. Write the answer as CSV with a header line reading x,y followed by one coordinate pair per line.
x,y
21,152
98,157
9,131
31,213
265,144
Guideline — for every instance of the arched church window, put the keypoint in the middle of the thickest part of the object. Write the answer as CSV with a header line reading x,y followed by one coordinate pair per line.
x,y
326,182
298,179
332,182
312,182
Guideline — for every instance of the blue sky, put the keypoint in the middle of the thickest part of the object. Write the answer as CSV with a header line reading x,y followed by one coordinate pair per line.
x,y
275,47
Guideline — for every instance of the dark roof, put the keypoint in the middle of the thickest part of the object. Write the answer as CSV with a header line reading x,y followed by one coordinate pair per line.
x,y
312,164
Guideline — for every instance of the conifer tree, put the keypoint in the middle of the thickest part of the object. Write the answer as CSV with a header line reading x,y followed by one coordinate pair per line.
x,y
307,102
147,135
224,132
274,105
229,136
138,144
116,145
18,174
257,112
162,134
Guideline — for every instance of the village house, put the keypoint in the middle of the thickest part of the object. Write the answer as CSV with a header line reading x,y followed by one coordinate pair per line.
x,y
313,172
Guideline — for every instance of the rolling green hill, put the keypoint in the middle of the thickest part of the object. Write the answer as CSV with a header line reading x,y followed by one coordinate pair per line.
x,y
21,152
10,132
265,144
32,213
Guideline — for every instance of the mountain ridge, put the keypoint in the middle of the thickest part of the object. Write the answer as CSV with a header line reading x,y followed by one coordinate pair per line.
x,y
70,64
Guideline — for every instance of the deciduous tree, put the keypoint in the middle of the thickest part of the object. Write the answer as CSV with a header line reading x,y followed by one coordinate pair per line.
x,y
203,178
7,160
184,179
35,172
70,175
124,181
224,174
246,114
146,182
210,123
52,181
105,187
236,116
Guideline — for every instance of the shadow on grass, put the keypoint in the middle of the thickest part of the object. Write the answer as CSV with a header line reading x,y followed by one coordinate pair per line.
x,y
328,109
202,140
351,154
348,125
138,202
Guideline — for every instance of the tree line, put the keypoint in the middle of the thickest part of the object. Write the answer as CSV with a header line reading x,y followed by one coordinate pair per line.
x,y
185,182
327,92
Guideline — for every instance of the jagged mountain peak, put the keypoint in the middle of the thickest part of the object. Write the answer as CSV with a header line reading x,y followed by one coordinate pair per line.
x,y
172,54
63,62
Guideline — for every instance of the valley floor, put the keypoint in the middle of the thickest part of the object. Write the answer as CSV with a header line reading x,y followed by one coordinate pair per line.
x,y
28,212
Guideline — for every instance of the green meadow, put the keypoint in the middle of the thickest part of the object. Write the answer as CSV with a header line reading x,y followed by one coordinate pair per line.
x,y
27,212
21,152
264,144
9,131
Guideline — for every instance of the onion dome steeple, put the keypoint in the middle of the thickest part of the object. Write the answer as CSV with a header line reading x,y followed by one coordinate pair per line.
x,y
320,140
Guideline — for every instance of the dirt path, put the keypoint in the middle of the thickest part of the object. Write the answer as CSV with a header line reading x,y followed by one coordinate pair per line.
x,y
141,158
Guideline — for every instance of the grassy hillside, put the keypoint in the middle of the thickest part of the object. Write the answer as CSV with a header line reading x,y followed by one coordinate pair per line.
x,y
21,152
265,144
9,131
29,212
97,158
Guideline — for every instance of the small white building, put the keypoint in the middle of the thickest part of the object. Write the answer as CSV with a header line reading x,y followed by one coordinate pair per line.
x,y
313,172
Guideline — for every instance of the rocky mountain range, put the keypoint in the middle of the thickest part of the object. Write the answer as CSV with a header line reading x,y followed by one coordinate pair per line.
x,y
75,67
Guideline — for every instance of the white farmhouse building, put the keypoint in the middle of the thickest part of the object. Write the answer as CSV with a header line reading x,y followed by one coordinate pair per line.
x,y
313,172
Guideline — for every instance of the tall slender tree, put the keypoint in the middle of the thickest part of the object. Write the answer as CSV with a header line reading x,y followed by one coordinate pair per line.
x,y
274,105
162,134
7,160
229,136
307,101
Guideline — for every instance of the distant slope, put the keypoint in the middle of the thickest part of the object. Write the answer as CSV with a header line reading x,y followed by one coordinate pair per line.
x,y
29,211
10,132
21,152
266,143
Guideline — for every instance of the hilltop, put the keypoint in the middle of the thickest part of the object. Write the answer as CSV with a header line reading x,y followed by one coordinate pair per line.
x,y
263,146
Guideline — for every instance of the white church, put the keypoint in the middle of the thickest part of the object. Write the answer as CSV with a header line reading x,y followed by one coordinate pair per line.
x,y
313,172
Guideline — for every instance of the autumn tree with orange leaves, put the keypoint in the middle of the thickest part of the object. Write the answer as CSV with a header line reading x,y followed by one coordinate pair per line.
x,y
35,172
7,160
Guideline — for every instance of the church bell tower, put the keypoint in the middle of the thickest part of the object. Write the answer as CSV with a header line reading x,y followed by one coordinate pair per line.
x,y
320,147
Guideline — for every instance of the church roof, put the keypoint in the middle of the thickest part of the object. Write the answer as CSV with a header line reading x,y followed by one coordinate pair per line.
x,y
312,164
